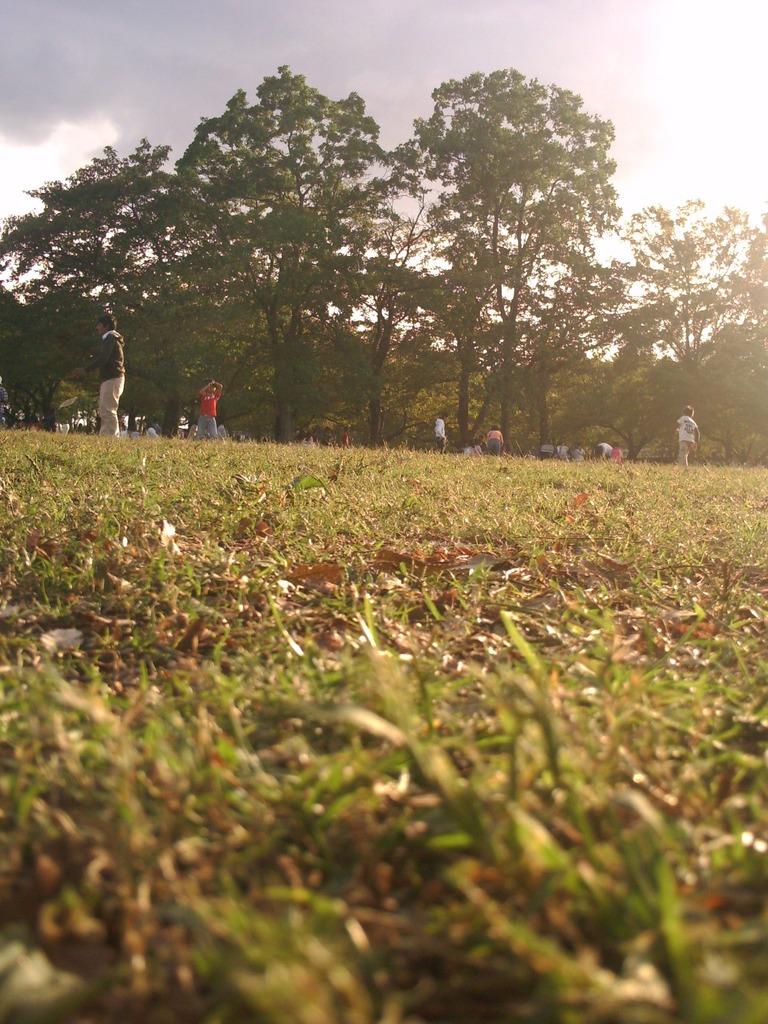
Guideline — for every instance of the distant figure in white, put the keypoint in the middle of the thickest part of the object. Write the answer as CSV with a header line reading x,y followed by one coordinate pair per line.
x,y
440,438
687,436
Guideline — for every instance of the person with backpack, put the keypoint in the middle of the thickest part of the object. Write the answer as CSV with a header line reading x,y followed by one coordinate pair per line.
x,y
109,361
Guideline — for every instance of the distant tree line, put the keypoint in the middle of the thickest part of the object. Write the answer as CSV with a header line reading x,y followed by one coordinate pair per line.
x,y
328,282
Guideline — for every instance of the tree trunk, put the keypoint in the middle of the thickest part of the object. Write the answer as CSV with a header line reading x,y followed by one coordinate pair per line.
x,y
462,412
284,390
171,415
506,372
375,420
728,450
378,358
543,408
283,420
506,415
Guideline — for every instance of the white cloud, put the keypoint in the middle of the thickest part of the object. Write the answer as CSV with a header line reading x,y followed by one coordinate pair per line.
x,y
67,148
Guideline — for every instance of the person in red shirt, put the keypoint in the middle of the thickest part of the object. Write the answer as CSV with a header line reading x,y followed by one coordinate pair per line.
x,y
209,396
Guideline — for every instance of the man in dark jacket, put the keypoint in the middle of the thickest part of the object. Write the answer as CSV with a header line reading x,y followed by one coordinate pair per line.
x,y
108,360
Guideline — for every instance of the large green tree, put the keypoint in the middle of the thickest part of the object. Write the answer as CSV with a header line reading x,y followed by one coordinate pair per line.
x,y
693,280
283,200
525,177
112,235
96,233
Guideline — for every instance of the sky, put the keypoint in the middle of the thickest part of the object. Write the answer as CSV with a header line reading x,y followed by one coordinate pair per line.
x,y
684,82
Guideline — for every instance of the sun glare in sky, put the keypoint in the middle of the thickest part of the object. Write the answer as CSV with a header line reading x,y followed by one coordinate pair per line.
x,y
708,87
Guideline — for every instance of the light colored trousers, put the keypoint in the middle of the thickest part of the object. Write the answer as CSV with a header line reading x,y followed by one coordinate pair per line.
x,y
109,397
206,427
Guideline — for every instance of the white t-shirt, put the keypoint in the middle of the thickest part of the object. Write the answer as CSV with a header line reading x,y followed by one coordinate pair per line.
x,y
439,428
686,429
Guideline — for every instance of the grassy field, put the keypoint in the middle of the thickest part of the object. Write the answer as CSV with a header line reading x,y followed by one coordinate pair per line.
x,y
303,736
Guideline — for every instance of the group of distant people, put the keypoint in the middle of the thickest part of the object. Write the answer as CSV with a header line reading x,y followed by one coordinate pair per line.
x,y
686,431
109,361
493,444
568,453
322,436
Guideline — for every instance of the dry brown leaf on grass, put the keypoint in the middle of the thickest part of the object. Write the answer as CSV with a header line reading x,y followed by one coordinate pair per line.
x,y
679,622
389,560
613,563
195,632
36,542
118,583
455,559
318,575
248,525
